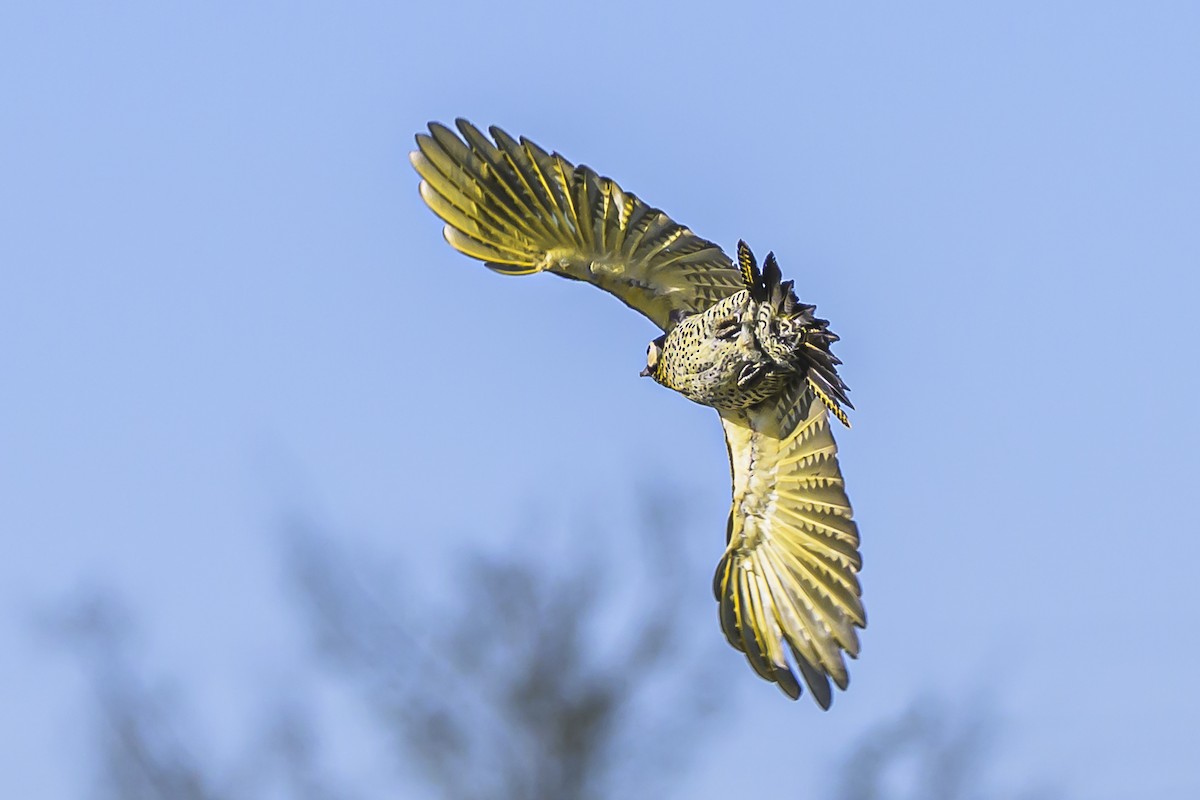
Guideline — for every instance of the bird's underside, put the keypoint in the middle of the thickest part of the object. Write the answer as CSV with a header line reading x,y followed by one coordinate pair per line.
x,y
735,338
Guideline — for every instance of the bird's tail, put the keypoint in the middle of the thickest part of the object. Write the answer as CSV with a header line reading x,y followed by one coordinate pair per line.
x,y
510,204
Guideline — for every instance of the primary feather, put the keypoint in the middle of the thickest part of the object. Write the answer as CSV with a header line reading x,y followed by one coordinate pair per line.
x,y
521,210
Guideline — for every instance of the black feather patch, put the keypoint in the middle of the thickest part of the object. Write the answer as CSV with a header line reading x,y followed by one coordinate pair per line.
x,y
814,337
772,278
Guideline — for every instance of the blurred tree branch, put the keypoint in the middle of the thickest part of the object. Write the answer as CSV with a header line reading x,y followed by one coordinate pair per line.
x,y
519,677
510,692
928,752
532,680
141,755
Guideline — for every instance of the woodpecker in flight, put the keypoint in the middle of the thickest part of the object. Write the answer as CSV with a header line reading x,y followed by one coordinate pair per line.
x,y
735,337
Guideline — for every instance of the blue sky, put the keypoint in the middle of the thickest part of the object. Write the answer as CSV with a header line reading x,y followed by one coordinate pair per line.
x,y
221,299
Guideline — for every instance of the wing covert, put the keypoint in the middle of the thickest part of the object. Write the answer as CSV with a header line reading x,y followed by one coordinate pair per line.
x,y
521,210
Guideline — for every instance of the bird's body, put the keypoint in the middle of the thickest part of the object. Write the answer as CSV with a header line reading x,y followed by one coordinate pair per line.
x,y
735,338
714,358
747,348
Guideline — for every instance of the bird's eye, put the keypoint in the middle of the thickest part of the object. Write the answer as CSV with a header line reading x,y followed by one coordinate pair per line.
x,y
728,329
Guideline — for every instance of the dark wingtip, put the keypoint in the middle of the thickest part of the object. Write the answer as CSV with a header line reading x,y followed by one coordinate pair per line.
x,y
817,681
787,682
499,134
466,128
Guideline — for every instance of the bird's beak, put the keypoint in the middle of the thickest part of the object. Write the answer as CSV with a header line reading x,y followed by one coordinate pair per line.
x,y
647,372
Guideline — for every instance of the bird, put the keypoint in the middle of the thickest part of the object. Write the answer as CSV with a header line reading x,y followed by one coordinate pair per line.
x,y
735,337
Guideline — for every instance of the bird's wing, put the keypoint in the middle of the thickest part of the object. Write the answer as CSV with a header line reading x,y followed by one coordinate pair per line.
x,y
787,584
522,210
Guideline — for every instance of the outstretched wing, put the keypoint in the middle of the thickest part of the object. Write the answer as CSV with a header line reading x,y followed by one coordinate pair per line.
x,y
787,584
522,210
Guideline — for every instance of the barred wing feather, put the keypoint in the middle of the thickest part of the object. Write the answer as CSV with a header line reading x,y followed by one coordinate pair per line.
x,y
522,210
787,584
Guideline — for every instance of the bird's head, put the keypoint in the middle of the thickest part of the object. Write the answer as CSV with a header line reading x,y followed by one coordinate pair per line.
x,y
653,357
